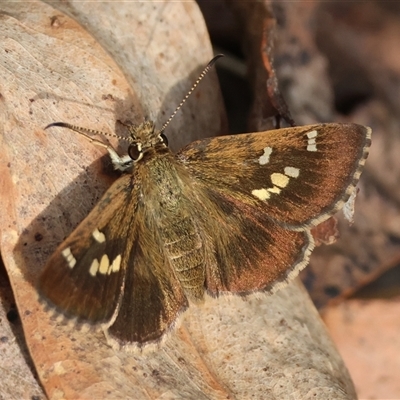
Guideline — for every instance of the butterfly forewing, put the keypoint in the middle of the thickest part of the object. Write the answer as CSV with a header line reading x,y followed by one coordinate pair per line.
x,y
84,276
126,283
299,176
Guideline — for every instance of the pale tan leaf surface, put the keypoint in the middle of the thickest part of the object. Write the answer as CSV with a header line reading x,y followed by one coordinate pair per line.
x,y
52,70
155,44
270,347
18,377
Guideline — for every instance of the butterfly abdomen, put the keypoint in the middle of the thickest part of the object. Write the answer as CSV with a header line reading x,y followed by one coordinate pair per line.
x,y
172,215
184,248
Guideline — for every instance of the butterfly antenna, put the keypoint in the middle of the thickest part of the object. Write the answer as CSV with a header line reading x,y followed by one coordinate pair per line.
x,y
201,76
86,132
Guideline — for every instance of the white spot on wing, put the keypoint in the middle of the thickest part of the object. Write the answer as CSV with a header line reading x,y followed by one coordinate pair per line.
x,y
312,147
312,144
66,252
264,159
71,260
312,134
99,236
292,172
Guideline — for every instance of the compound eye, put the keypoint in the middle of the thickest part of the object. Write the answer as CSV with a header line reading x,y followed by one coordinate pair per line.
x,y
164,139
135,151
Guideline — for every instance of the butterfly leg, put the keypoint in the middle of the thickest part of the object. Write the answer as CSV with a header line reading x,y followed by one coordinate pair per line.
x,y
120,163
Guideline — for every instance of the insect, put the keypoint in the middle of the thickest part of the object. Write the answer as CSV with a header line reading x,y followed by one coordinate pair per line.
x,y
229,214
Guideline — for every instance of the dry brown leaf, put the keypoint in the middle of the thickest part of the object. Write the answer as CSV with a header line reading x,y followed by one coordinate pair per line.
x,y
52,70
367,335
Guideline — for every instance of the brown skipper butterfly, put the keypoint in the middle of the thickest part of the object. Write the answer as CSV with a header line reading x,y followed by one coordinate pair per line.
x,y
229,214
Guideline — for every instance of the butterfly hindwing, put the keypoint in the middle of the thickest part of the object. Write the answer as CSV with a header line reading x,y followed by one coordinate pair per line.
x,y
152,298
246,251
298,175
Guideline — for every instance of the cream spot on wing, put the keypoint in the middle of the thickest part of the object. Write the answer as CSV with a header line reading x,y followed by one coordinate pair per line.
x,y
69,257
94,267
264,159
312,134
66,252
262,194
104,264
312,144
292,172
116,264
311,147
99,236
274,189
279,180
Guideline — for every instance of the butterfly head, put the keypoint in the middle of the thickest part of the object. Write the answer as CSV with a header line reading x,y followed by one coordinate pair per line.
x,y
145,137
